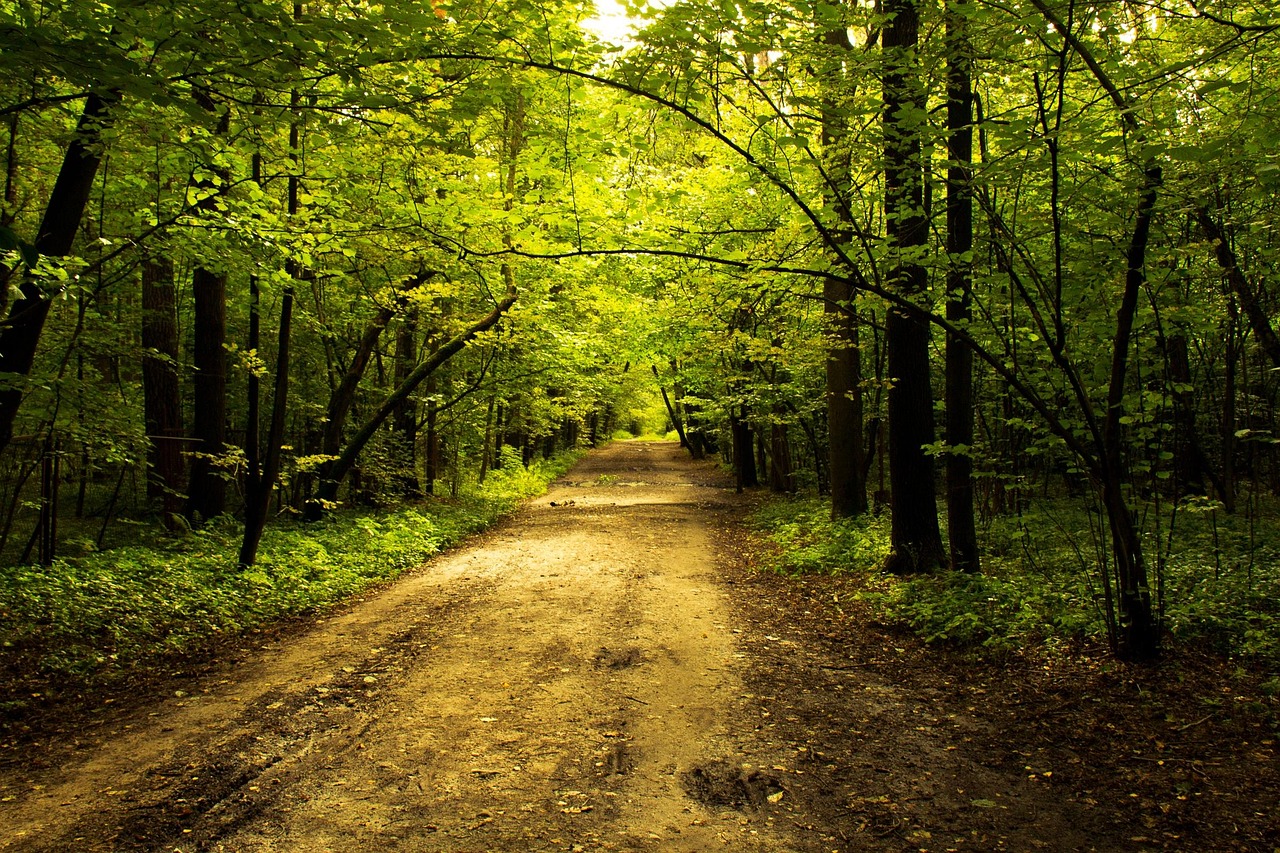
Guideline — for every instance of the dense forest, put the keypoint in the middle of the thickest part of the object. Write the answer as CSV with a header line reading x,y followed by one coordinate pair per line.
x,y
995,281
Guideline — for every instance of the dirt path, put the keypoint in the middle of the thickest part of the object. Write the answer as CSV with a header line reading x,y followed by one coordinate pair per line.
x,y
603,672
548,688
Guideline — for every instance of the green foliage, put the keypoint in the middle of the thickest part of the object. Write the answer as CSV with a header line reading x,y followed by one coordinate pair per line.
x,y
1040,583
809,540
99,616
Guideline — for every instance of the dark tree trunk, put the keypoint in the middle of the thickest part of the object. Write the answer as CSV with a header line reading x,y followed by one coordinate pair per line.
x,y
20,334
207,491
207,496
1228,426
258,502
346,461
342,398
433,461
1139,635
1254,311
845,450
915,537
676,420
744,461
162,397
782,477
961,527
491,419
1191,465
404,420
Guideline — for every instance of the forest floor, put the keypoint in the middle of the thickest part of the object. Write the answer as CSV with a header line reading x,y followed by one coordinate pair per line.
x,y
606,670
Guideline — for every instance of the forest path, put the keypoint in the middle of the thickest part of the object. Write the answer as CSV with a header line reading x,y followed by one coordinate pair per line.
x,y
547,687
600,672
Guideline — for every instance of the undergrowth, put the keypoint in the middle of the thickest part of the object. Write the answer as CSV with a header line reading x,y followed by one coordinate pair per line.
x,y
95,618
1041,579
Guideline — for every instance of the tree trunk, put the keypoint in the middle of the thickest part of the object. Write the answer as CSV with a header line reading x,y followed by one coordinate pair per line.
x,y
845,450
744,460
676,421
915,537
20,333
404,420
207,496
1254,311
1139,635
343,464
782,477
961,527
162,397
258,502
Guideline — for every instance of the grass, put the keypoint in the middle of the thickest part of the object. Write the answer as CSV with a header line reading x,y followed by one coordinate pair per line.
x,y
95,618
1041,580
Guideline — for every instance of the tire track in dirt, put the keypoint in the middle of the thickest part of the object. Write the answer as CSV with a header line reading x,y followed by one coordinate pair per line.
x,y
549,687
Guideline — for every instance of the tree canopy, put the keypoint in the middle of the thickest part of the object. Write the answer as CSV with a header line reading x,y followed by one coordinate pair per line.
x,y
904,254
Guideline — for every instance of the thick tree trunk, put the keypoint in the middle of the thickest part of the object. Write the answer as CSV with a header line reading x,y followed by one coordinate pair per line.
x,y
914,534
20,333
1191,464
961,527
845,450
207,496
161,392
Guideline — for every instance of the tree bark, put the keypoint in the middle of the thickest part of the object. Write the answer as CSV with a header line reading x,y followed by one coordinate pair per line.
x,y
914,534
258,502
342,465
162,399
404,420
1254,311
845,450
20,334
676,420
1139,635
961,527
744,460
208,489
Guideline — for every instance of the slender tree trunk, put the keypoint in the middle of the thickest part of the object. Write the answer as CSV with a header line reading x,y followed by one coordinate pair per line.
x,y
20,333
961,528
782,476
845,451
1139,637
1231,358
676,421
915,537
207,492
343,464
162,399
744,460
263,481
486,450
258,503
1254,311
404,420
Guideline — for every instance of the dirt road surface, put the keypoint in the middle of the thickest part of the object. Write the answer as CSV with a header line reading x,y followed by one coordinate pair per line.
x,y
545,688
586,676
